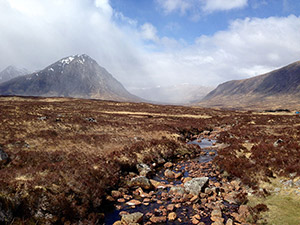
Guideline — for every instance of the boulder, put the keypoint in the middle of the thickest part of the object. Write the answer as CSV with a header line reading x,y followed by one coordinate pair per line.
x,y
140,181
136,217
196,185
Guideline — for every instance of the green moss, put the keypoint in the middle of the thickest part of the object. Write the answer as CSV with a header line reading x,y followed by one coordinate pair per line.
x,y
283,209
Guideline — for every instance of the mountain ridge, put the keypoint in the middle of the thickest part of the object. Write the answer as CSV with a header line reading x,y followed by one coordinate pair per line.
x,y
77,76
280,88
11,72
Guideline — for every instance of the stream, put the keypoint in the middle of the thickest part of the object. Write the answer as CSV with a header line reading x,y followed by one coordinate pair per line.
x,y
156,203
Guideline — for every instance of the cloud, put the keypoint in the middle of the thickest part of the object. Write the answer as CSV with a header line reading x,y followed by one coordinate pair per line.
x,y
223,5
135,53
149,32
170,6
194,8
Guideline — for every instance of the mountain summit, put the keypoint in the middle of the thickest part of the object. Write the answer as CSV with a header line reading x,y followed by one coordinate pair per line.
x,y
11,72
77,76
276,89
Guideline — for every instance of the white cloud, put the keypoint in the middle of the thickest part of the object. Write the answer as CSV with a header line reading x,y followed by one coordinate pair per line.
x,y
149,32
194,8
246,48
222,5
105,7
175,5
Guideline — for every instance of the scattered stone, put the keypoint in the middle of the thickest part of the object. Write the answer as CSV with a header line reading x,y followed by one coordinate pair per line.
x,y
195,185
144,169
133,202
168,165
172,216
140,181
116,194
177,190
136,217
169,174
42,118
161,161
186,179
170,207
110,198
158,219
195,198
156,184
230,198
229,222
121,200
178,175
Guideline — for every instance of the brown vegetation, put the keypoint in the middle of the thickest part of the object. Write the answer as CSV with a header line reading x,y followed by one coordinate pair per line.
x,y
65,154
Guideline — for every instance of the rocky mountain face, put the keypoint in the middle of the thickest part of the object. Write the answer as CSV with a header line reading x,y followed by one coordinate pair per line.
x,y
11,72
76,76
276,89
176,94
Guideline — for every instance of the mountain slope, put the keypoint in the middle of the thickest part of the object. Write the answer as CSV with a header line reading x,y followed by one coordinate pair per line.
x,y
279,88
11,72
76,76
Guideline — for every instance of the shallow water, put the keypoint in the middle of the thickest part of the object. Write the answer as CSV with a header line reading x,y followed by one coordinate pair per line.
x,y
112,214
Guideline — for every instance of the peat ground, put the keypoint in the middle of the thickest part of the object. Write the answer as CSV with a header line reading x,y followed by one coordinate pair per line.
x,y
61,157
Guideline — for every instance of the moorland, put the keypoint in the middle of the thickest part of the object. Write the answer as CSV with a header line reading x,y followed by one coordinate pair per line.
x,y
62,157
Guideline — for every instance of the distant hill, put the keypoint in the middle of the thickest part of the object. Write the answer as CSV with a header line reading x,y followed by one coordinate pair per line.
x,y
277,89
176,94
76,76
11,72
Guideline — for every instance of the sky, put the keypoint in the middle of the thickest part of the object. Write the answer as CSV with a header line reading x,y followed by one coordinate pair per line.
x,y
147,43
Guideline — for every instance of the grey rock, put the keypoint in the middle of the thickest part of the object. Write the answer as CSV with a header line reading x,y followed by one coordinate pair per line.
x,y
196,185
177,190
136,217
143,169
140,181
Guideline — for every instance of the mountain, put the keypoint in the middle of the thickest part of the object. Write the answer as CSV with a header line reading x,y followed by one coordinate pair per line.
x,y
76,76
11,72
176,94
277,89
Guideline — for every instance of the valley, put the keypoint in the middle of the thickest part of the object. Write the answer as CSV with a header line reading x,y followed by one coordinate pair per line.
x,y
66,160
